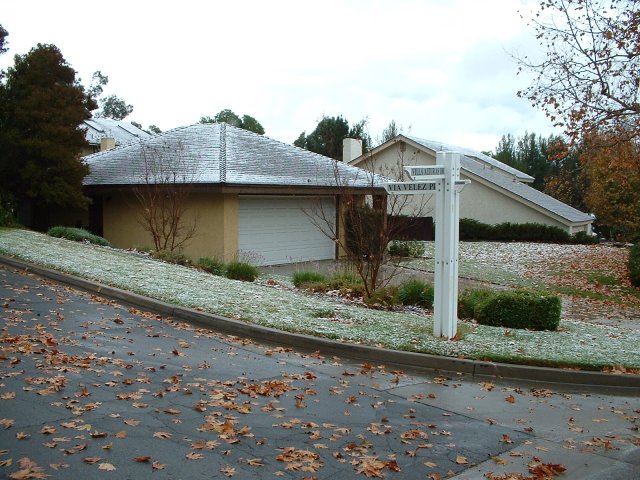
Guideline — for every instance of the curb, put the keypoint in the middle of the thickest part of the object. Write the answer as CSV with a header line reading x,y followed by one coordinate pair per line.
x,y
411,360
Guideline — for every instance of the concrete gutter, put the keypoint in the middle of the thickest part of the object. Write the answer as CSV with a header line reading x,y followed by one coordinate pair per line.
x,y
409,360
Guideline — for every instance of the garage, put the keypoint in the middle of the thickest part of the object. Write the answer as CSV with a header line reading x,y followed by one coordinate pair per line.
x,y
276,230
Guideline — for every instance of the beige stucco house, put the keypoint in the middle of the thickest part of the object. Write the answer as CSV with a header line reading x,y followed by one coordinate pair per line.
x,y
498,193
249,195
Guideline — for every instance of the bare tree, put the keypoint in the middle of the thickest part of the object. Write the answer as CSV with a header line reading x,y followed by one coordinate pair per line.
x,y
167,181
370,219
588,80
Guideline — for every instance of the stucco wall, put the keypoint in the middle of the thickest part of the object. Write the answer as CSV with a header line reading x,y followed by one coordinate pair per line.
x,y
215,216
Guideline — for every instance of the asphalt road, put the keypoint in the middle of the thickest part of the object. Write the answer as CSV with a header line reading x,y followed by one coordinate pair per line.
x,y
93,389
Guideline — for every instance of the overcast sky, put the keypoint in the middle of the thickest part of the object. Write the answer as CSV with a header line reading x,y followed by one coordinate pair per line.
x,y
442,69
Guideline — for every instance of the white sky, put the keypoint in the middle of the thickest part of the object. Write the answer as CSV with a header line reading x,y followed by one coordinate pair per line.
x,y
440,68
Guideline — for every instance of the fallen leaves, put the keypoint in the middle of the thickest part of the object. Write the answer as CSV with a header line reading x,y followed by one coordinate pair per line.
x,y
28,470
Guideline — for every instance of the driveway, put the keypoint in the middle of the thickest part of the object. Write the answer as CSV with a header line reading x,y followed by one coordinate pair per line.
x,y
93,389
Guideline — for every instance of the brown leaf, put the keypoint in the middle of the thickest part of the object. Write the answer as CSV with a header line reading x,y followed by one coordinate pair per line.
x,y
194,456
121,434
143,458
48,429
510,399
109,467
228,471
91,460
460,460
162,435
255,462
158,466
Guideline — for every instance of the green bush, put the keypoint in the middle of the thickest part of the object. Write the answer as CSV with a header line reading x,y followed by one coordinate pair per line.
x,y
384,297
242,271
634,265
584,238
406,248
213,265
416,292
468,300
301,279
78,235
520,309
506,232
8,211
171,257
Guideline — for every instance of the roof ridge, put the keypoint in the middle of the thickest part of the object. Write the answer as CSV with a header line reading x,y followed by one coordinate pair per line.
x,y
223,152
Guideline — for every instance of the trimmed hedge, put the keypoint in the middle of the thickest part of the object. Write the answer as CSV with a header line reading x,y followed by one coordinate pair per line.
x,y
77,235
523,232
520,309
468,300
634,265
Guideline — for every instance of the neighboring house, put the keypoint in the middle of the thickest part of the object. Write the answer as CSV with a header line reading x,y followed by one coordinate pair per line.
x,y
105,133
251,195
497,193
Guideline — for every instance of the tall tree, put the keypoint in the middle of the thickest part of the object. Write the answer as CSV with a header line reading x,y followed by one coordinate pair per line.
x,y
247,122
41,108
588,80
567,181
328,135
613,169
112,105
506,152
3,39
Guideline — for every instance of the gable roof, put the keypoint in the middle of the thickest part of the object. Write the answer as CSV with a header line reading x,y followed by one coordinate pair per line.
x,y
218,153
123,132
497,175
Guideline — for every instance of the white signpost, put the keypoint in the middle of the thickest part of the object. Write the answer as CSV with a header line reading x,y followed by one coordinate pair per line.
x,y
442,179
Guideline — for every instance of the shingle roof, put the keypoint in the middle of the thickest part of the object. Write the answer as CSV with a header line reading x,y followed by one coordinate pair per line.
x,y
441,147
221,154
509,183
123,132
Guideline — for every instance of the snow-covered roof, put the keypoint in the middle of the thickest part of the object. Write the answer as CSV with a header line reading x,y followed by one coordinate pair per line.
x,y
123,132
222,154
524,191
475,155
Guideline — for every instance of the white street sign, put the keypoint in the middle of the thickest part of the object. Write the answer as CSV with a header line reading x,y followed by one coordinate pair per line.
x,y
410,188
425,172
444,180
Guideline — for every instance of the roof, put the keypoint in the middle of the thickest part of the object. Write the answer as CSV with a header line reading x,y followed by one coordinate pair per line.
x,y
123,132
474,154
525,192
218,153
499,176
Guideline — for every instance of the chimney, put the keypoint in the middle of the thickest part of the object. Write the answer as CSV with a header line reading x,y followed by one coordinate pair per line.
x,y
351,149
107,143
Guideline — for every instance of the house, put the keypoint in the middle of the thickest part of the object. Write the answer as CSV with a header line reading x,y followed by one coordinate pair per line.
x,y
105,133
249,195
498,193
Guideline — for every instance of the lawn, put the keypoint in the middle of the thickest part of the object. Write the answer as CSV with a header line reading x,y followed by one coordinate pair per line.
x,y
575,344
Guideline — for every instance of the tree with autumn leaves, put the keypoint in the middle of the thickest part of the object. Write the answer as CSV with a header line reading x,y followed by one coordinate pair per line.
x,y
588,83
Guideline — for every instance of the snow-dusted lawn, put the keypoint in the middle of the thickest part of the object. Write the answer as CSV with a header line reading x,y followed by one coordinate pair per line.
x,y
286,309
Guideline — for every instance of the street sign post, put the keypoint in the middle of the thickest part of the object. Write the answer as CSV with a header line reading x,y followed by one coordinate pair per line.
x,y
442,179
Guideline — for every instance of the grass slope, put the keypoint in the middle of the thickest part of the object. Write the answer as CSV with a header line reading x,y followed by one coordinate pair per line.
x,y
575,344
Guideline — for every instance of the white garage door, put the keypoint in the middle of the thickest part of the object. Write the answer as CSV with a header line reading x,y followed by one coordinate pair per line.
x,y
277,230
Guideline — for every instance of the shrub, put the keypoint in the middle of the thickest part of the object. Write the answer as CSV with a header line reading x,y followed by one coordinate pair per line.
x,y
78,235
301,279
634,265
416,292
7,211
242,271
213,265
584,238
520,309
406,248
524,232
385,297
171,257
468,300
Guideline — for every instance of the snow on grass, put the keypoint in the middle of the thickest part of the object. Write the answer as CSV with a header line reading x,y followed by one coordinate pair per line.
x,y
287,309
